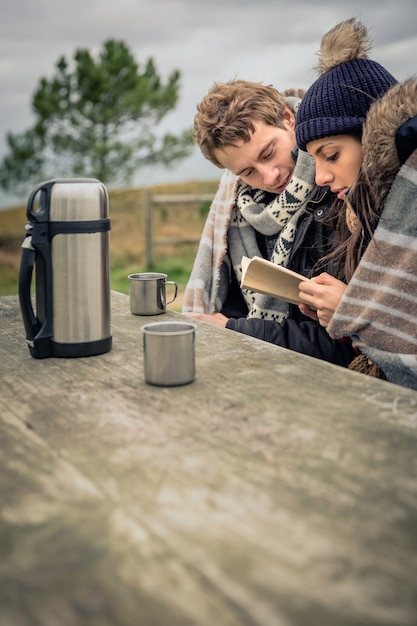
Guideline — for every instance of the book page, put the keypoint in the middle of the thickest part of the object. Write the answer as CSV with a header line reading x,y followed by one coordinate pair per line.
x,y
273,280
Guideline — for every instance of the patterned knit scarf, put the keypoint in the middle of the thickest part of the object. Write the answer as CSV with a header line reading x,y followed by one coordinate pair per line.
x,y
236,213
277,219
379,306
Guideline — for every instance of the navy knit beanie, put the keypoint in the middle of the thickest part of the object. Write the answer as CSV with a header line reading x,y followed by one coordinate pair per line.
x,y
337,103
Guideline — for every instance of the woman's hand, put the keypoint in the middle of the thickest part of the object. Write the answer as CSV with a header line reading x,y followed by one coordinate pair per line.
x,y
321,295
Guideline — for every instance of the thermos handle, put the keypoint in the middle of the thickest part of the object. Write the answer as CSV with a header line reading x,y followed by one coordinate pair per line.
x,y
25,279
39,327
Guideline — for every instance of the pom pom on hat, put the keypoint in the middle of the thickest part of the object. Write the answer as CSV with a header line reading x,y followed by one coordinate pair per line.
x,y
338,101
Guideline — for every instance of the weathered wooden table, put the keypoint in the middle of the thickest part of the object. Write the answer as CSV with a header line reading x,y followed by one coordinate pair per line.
x,y
276,490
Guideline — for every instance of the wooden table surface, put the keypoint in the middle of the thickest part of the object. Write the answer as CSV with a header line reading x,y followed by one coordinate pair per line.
x,y
275,490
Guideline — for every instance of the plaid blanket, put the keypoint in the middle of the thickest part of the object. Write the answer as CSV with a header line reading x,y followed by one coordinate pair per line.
x,y
379,307
202,291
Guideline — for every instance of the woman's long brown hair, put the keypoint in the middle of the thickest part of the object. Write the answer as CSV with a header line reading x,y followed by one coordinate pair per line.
x,y
353,238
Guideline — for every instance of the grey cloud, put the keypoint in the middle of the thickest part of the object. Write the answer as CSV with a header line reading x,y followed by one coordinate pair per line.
x,y
268,40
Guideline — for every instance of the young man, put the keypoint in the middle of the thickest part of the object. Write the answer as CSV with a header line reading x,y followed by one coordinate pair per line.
x,y
267,205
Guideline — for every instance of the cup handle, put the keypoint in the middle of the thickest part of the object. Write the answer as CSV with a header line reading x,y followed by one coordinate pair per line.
x,y
172,282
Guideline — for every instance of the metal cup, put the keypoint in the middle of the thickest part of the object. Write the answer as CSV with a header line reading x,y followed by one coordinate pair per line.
x,y
169,353
148,293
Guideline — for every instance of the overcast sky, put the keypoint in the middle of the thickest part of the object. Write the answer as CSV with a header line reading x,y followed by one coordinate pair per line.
x,y
270,41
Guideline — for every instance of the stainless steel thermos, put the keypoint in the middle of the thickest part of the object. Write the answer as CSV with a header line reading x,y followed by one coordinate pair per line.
x,y
67,249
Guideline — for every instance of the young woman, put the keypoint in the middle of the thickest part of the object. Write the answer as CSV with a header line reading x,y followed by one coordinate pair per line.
x,y
360,127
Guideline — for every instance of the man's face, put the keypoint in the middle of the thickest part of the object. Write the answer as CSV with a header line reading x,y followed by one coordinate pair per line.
x,y
265,161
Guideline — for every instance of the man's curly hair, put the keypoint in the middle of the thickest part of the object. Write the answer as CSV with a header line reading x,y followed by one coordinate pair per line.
x,y
227,113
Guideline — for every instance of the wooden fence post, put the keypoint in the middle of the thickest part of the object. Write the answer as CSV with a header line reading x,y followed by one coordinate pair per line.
x,y
150,202
148,230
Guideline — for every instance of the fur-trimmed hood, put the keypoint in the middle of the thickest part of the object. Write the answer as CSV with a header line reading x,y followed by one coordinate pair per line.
x,y
380,158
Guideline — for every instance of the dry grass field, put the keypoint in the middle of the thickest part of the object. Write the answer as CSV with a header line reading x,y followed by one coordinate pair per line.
x,y
127,236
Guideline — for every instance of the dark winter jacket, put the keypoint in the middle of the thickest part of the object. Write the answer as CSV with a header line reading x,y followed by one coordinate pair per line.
x,y
314,239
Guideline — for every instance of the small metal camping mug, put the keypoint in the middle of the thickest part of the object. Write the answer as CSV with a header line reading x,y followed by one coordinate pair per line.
x,y
169,353
148,293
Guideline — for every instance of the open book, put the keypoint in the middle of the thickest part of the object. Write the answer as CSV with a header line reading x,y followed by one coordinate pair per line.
x,y
262,276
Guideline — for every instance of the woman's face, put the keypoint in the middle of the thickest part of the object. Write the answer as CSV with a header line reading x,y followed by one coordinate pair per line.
x,y
338,161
